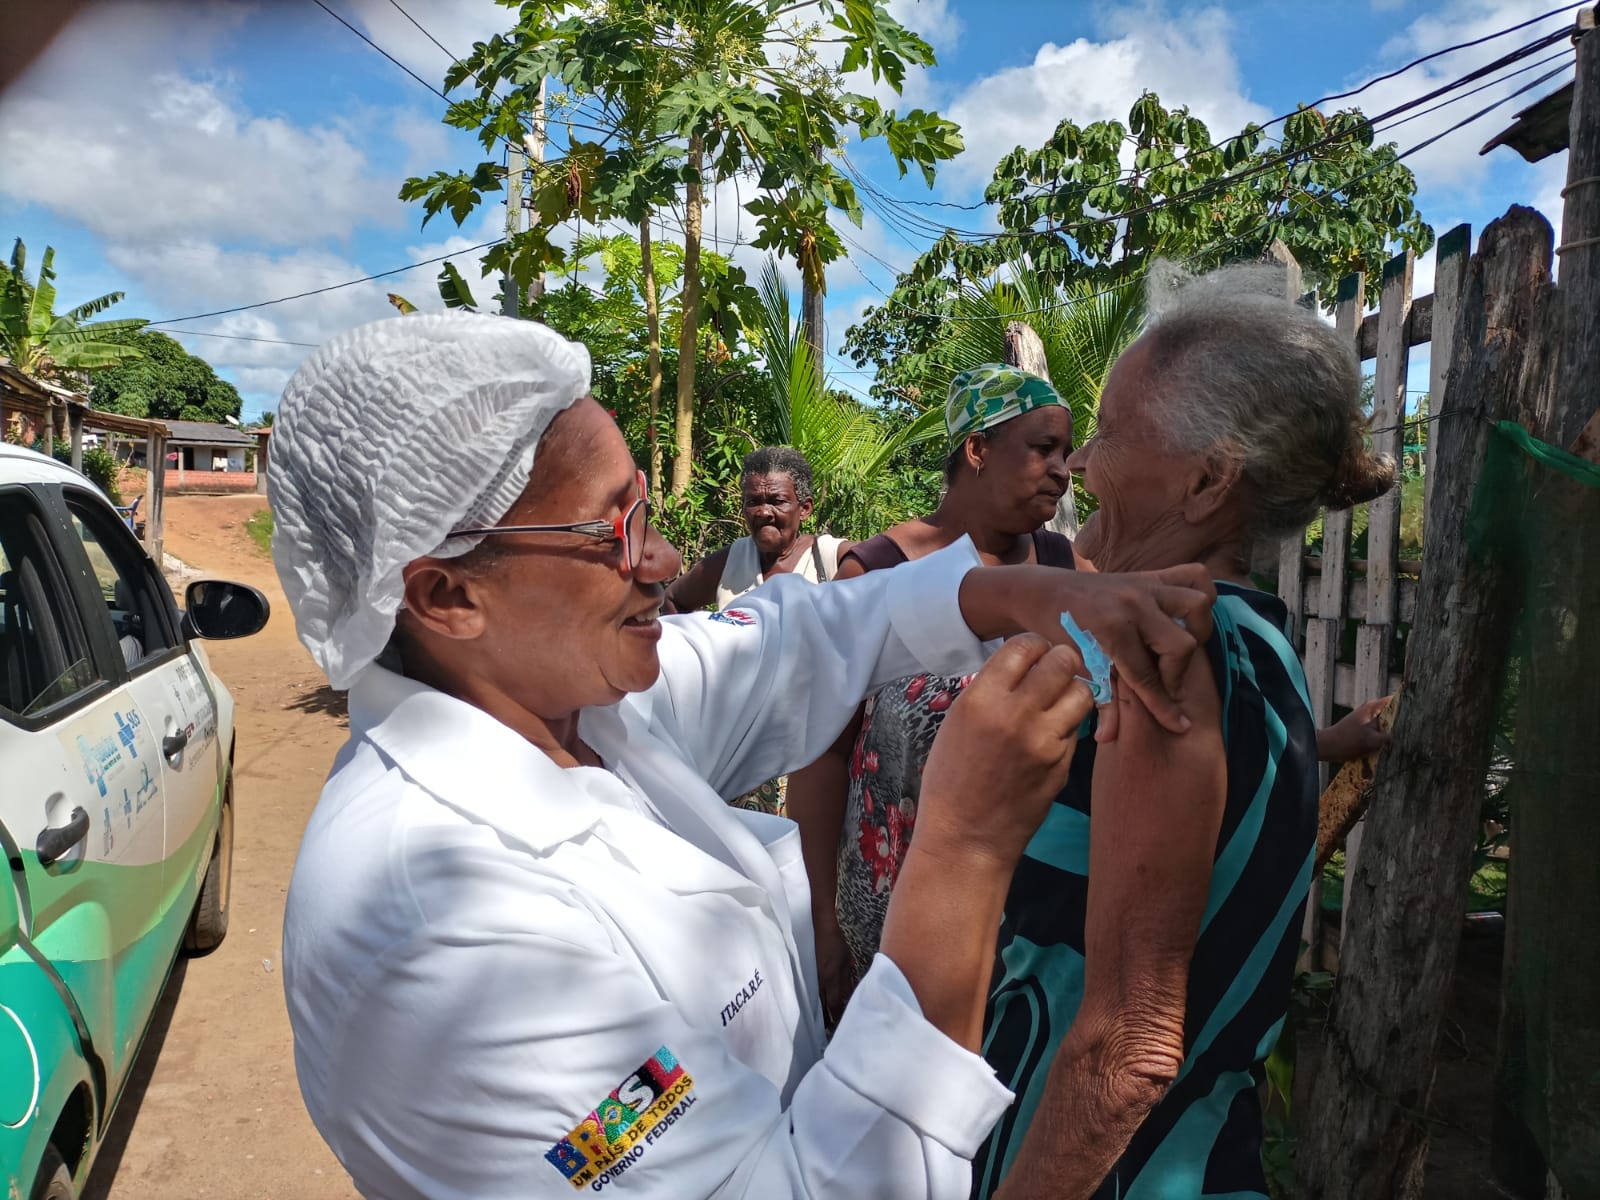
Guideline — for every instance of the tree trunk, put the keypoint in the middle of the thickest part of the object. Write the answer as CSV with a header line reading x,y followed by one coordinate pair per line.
x,y
683,427
652,320
1024,348
1364,1135
811,302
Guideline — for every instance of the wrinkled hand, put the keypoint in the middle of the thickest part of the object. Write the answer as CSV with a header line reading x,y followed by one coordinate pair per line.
x,y
1356,735
1002,754
1150,623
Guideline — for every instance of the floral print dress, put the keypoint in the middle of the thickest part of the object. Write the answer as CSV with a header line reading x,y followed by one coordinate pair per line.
x,y
897,730
898,725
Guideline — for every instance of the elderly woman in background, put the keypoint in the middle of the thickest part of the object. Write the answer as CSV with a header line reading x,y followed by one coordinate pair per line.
x,y
775,499
1151,930
527,947
1009,433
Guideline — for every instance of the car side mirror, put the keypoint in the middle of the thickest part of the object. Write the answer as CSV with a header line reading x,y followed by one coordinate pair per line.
x,y
218,610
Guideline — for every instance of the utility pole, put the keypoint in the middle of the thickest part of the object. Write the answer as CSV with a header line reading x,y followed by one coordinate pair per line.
x,y
519,160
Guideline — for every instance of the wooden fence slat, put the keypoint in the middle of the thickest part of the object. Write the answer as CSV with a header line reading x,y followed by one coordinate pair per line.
x,y
1355,599
1419,328
1451,258
1383,514
1325,621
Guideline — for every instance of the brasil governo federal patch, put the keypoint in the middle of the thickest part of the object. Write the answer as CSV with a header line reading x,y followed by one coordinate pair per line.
x,y
615,1135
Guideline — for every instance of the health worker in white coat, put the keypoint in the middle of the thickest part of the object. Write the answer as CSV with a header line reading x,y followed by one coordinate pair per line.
x,y
529,949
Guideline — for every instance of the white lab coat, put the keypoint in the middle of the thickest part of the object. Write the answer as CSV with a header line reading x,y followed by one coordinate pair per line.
x,y
482,950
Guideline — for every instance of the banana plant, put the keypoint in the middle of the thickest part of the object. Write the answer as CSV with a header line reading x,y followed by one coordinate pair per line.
x,y
43,343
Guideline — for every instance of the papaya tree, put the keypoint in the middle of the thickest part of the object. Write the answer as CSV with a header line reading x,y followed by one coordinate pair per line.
x,y
669,94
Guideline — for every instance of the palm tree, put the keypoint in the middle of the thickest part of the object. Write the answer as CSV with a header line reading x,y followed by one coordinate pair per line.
x,y
1083,326
45,344
848,447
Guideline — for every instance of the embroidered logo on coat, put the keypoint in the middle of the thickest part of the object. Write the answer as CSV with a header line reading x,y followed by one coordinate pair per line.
x,y
734,616
639,1110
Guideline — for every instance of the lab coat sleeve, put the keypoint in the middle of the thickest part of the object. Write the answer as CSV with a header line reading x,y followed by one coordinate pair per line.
x,y
765,686
478,1054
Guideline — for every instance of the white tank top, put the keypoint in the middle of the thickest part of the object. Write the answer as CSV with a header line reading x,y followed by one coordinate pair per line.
x,y
742,571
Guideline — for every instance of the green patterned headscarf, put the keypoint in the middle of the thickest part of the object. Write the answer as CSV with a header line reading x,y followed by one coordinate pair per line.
x,y
991,395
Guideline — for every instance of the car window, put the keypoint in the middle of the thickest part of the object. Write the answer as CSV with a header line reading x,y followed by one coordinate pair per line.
x,y
44,654
120,568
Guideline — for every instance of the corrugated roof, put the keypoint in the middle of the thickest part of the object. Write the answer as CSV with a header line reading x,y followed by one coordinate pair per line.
x,y
204,433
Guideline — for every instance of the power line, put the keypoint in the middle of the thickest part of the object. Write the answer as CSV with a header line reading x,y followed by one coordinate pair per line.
x,y
1417,62
1278,120
333,287
932,229
232,337
1483,87
442,49
382,51
1317,198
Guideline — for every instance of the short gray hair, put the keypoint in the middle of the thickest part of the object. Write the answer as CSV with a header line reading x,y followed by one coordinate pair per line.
x,y
1235,364
780,460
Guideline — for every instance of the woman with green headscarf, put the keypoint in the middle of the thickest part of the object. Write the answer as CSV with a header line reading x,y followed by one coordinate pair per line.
x,y
1010,433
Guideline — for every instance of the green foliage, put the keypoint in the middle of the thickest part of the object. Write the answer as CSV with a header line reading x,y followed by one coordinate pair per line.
x,y
850,447
1413,493
1337,200
743,80
874,468
43,343
259,527
99,464
661,95
103,469
164,382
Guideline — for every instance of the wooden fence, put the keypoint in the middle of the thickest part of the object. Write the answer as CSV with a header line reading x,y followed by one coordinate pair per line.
x,y
1329,592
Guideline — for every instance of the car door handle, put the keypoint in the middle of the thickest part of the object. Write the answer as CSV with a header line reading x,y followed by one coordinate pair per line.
x,y
54,841
172,745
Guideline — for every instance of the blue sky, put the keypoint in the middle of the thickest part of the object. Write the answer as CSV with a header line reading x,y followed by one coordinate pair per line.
x,y
202,156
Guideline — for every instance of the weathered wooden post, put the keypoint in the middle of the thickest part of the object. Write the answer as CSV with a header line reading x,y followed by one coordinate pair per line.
x,y
1375,636
1325,631
1024,348
1547,1101
1363,1135
75,414
263,440
155,490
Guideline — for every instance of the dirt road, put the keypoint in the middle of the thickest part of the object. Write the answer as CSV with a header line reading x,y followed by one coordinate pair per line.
x,y
213,1109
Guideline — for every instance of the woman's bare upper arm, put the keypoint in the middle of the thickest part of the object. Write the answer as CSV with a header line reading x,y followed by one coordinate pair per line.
x,y
1158,805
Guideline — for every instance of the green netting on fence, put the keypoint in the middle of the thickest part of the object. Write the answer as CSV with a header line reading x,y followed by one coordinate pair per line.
x,y
1538,507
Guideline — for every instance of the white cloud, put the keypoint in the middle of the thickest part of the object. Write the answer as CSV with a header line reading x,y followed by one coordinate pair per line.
x,y
1451,171
1188,61
123,127
456,24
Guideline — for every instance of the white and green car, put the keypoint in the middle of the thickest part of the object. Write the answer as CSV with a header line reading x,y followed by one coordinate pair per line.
x,y
116,824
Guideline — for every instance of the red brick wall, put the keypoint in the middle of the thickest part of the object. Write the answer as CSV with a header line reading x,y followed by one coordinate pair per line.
x,y
197,483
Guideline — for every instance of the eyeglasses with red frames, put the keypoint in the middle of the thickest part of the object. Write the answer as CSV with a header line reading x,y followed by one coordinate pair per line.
x,y
631,528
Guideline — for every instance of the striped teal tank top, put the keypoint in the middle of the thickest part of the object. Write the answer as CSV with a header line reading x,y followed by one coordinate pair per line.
x,y
1204,1138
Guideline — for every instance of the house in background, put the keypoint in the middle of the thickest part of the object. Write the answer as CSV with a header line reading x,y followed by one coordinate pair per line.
x,y
202,446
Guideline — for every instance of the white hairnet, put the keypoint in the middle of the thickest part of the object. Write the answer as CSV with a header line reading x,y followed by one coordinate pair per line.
x,y
387,438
